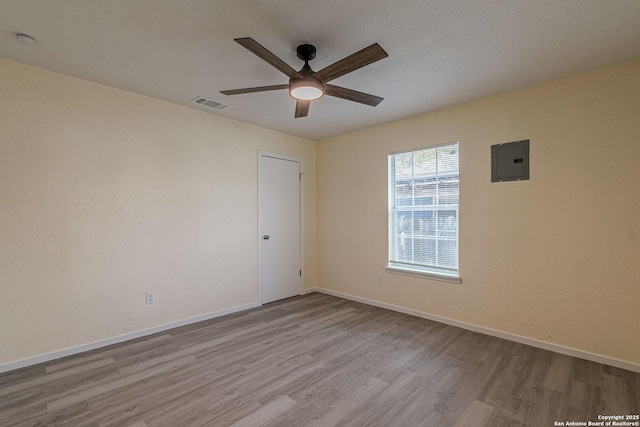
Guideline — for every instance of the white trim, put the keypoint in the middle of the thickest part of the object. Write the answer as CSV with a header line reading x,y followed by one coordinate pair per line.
x,y
423,274
409,150
282,157
47,357
301,163
557,348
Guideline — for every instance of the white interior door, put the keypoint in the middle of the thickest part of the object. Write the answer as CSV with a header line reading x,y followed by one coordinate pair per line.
x,y
280,220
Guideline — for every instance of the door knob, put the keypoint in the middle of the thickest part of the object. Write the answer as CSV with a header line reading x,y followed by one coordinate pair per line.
x,y
266,237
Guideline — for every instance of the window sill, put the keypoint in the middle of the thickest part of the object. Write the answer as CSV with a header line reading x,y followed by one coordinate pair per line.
x,y
443,277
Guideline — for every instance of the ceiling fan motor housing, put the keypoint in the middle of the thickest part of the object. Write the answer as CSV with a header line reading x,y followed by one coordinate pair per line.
x,y
306,52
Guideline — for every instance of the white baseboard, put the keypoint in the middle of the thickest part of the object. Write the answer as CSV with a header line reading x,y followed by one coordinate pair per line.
x,y
623,364
120,338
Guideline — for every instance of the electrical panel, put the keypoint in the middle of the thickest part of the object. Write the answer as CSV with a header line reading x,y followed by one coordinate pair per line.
x,y
510,161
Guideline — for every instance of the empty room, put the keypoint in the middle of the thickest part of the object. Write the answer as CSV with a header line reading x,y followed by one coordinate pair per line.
x,y
319,213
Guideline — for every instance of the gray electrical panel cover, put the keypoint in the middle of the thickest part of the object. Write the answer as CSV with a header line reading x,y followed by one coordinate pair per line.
x,y
510,161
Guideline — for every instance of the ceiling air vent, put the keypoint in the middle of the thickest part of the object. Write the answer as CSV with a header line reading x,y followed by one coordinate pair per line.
x,y
210,103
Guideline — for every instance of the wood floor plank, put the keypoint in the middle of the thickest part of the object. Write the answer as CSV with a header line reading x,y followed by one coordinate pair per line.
x,y
385,408
612,387
266,413
55,367
334,414
315,360
587,372
127,380
583,401
160,395
56,376
559,373
476,414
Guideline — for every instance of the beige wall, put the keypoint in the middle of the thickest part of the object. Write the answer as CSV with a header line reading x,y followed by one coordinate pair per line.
x,y
105,195
555,258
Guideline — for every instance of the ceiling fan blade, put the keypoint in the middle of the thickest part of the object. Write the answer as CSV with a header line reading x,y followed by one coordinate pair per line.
x,y
352,95
302,108
366,56
253,89
259,50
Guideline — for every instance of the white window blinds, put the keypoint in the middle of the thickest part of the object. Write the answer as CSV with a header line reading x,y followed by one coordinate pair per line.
x,y
424,202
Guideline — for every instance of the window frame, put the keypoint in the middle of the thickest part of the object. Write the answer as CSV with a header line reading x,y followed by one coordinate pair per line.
x,y
404,268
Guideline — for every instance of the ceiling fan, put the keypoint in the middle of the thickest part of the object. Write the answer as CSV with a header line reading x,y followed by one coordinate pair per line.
x,y
306,85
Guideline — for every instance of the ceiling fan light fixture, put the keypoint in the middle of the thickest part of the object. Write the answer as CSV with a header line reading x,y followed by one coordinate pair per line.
x,y
306,89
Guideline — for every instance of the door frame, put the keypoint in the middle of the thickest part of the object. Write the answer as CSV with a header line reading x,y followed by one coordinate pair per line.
x,y
301,213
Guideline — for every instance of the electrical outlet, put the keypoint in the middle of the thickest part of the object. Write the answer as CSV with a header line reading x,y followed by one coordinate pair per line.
x,y
380,280
151,297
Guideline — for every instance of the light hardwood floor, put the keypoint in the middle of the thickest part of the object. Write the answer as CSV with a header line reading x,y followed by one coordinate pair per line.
x,y
316,360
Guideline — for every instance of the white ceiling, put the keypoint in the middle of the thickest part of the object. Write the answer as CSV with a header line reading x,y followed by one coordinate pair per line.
x,y
441,52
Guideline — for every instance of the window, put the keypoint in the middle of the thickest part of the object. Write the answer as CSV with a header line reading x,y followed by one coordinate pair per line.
x,y
424,200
